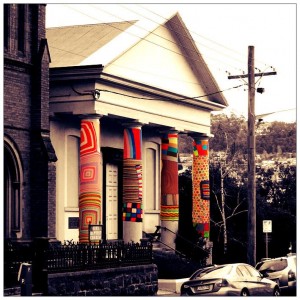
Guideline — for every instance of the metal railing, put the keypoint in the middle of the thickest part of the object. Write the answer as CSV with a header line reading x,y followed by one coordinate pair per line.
x,y
69,257
200,245
72,257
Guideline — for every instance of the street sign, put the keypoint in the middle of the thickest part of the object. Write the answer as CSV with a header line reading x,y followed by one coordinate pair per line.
x,y
267,226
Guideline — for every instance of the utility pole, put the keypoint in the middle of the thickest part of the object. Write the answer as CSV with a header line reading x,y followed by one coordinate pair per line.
x,y
251,254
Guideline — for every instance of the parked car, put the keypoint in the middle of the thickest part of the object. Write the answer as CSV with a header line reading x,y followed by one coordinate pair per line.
x,y
282,270
237,279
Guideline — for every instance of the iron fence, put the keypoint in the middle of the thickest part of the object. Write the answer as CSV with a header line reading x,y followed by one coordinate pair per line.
x,y
69,257
72,257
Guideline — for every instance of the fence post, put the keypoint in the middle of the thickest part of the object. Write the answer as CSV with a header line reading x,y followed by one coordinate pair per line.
x,y
40,265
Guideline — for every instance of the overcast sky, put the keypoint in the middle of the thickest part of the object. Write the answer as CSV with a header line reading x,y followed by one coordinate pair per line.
x,y
222,33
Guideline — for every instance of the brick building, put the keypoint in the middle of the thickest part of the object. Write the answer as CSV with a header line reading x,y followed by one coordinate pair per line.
x,y
29,158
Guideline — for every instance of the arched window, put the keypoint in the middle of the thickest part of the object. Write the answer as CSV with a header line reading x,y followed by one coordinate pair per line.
x,y
12,192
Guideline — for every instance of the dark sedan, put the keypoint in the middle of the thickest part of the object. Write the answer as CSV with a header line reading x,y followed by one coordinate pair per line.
x,y
229,280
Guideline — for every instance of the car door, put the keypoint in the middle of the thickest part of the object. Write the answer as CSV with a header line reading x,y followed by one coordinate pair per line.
x,y
258,286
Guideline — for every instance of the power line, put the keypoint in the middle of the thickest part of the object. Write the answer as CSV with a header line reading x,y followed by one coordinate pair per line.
x,y
163,47
208,40
179,99
109,24
179,33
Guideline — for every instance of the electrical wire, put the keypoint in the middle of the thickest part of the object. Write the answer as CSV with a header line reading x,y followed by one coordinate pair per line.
x,y
225,47
179,33
166,39
109,24
178,99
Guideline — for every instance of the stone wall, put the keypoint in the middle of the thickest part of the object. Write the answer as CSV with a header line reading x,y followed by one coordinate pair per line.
x,y
124,281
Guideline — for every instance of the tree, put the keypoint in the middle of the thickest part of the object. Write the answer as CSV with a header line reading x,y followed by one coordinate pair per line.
x,y
276,188
275,136
235,129
276,201
228,208
228,134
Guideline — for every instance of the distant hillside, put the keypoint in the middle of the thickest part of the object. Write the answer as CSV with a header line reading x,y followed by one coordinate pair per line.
x,y
271,138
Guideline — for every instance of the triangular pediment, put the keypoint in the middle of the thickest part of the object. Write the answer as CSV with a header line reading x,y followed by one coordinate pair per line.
x,y
163,55
159,61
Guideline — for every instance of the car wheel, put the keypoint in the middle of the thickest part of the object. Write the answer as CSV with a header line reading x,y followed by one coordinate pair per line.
x,y
276,292
244,293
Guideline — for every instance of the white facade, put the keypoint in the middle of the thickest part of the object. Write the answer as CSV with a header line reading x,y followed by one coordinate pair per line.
x,y
140,82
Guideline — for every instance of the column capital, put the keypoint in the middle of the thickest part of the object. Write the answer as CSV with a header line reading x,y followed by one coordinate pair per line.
x,y
167,131
200,135
133,124
90,117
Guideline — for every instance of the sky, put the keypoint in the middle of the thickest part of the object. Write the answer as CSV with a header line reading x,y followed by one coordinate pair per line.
x,y
223,33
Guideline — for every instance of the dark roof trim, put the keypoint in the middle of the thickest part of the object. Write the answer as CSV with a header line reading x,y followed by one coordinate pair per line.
x,y
76,72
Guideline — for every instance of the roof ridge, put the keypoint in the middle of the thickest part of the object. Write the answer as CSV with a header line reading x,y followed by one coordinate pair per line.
x,y
93,24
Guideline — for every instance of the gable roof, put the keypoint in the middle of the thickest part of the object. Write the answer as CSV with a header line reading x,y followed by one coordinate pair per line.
x,y
107,42
70,45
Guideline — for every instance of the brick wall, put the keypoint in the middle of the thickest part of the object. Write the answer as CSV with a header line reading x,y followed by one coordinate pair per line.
x,y
26,118
126,281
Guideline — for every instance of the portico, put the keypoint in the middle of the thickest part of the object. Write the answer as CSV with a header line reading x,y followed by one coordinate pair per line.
x,y
116,139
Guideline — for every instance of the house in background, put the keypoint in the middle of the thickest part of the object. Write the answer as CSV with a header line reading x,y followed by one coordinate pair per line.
x,y
120,93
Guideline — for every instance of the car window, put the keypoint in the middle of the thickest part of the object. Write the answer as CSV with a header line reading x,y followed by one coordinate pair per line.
x,y
244,271
238,271
198,273
273,265
252,271
218,272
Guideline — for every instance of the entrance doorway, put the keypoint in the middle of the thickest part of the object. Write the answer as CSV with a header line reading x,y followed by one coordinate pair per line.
x,y
111,213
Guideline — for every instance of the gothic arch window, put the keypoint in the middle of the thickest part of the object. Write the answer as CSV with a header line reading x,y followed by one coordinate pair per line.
x,y
12,192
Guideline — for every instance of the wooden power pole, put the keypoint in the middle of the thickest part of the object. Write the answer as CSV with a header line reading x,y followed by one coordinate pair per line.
x,y
251,253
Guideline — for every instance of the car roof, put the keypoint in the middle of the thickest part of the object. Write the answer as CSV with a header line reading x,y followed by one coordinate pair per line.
x,y
277,258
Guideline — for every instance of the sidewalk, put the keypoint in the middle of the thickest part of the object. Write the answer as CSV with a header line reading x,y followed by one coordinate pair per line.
x,y
170,287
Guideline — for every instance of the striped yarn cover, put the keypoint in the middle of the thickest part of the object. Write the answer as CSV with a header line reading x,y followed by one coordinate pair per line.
x,y
132,181
90,178
169,179
132,176
169,212
132,143
201,190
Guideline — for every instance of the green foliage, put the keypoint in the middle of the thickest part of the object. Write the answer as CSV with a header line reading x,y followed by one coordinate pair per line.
x,y
269,136
229,132
236,213
276,201
277,137
275,188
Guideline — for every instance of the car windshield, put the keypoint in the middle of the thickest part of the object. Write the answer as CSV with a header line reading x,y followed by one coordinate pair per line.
x,y
198,272
217,272
272,265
